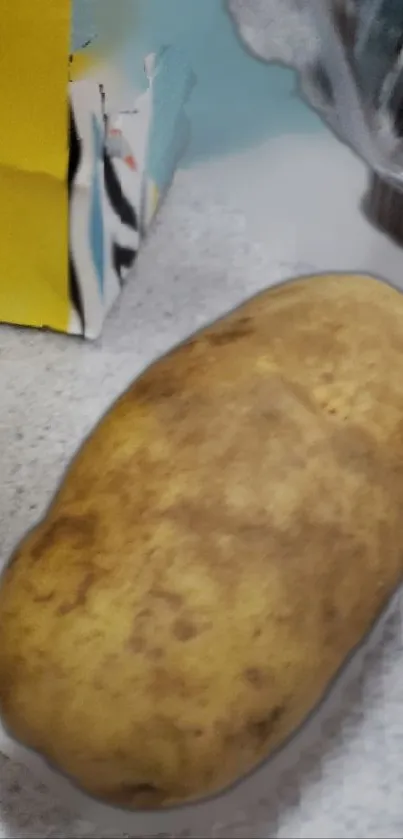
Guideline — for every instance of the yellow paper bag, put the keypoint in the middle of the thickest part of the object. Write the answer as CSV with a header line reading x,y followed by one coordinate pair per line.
x,y
34,50
86,152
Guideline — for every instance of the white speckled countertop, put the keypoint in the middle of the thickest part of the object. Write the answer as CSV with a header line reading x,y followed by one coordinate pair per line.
x,y
201,260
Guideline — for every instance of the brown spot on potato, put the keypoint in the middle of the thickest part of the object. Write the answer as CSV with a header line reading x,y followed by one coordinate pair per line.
x,y
80,530
80,599
240,329
156,653
154,387
93,635
300,394
165,681
44,598
255,677
205,520
198,732
184,630
329,613
263,728
117,487
189,345
137,644
356,450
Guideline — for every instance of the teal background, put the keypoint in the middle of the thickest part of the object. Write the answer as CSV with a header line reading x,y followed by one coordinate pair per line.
x,y
238,101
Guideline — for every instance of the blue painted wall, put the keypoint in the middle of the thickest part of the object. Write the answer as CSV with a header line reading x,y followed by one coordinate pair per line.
x,y
238,101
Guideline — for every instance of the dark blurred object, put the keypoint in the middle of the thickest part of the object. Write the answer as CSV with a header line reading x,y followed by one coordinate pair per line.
x,y
361,58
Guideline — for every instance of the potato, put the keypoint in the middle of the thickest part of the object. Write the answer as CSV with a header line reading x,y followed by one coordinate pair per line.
x,y
225,537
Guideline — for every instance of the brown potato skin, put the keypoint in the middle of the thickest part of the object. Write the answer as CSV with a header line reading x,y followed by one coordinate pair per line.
x,y
226,536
